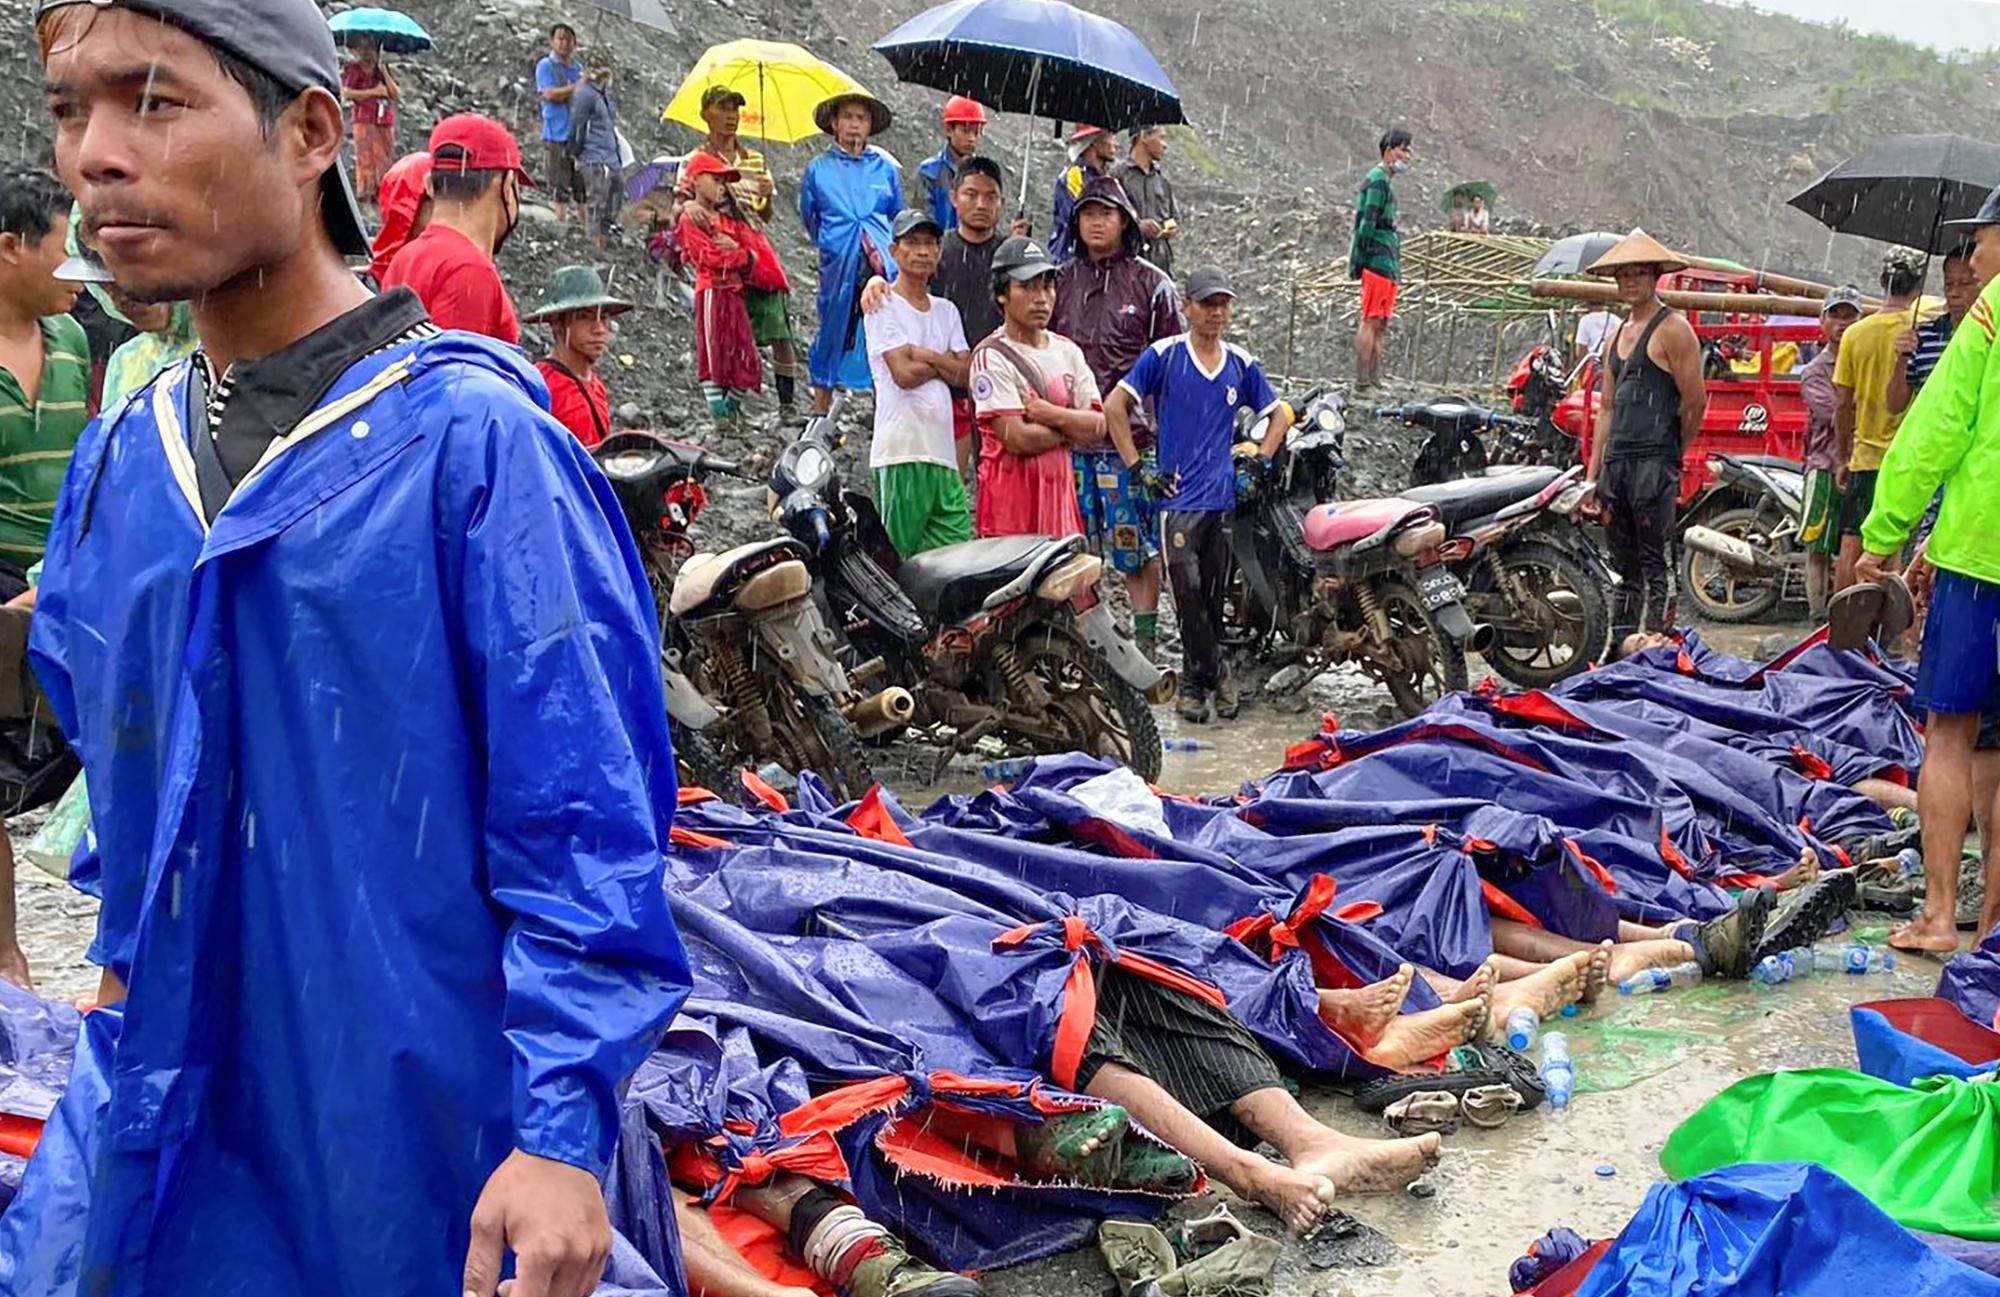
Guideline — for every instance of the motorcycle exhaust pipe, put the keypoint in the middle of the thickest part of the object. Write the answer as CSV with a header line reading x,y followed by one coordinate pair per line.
x,y
892,709
1735,552
1164,689
1477,636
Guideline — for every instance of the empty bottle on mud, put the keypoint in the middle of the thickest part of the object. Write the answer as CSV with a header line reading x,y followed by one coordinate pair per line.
x,y
1558,1073
1522,1024
1661,979
1863,959
1773,969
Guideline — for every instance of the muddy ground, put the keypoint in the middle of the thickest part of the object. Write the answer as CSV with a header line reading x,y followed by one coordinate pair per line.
x,y
1643,1064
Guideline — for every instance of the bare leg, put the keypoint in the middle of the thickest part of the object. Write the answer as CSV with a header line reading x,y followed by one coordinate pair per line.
x,y
1453,991
822,400
1143,587
13,964
1850,554
715,1269
1550,990
1627,959
1415,1038
1986,800
1944,801
1350,1165
1819,584
1886,795
1295,1196
772,1203
1363,1015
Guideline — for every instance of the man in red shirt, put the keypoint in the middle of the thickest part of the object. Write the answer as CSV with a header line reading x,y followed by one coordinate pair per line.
x,y
476,176
578,310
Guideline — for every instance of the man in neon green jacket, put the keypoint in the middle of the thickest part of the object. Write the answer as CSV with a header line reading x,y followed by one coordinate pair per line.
x,y
1951,439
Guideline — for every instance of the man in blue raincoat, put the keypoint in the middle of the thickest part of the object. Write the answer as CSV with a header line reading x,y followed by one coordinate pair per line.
x,y
350,636
847,200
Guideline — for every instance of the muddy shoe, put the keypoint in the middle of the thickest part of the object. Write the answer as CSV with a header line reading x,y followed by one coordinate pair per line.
x,y
1228,702
1192,706
893,1272
1724,946
1075,1148
1804,916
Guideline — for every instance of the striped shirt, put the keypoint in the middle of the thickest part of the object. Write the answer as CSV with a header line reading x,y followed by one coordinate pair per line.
x,y
1933,336
36,439
1376,245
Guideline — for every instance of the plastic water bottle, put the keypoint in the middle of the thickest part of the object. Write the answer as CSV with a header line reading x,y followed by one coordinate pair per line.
x,y
1522,1024
1861,959
1807,960
1772,970
1004,772
1909,863
1178,744
1558,1073
1661,979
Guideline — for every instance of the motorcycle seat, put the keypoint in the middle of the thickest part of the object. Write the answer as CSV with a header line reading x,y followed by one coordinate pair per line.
x,y
1475,497
705,576
1329,526
950,584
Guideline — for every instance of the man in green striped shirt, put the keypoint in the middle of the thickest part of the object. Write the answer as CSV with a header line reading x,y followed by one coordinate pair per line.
x,y
1376,256
44,395
44,364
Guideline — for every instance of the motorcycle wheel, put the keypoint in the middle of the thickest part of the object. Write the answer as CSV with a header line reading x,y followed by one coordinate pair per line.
x,y
699,764
1102,715
1719,593
818,738
1429,663
1577,637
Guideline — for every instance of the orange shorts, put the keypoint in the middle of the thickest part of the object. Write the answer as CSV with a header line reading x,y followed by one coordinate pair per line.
x,y
1378,296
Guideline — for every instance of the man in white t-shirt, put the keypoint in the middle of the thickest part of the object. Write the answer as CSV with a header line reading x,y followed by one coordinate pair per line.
x,y
917,353
1592,330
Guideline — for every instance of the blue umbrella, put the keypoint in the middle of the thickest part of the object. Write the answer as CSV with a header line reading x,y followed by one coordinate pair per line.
x,y
396,33
1043,58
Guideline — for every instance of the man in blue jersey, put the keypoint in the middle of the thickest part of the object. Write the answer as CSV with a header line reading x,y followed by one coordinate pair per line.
x,y
1198,382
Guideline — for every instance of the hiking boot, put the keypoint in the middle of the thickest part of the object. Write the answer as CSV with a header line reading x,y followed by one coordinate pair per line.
x,y
893,1272
1228,702
1807,914
1192,705
1727,947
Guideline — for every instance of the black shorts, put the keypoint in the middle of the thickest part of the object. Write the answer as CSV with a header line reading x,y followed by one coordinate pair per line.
x,y
36,764
565,177
1856,499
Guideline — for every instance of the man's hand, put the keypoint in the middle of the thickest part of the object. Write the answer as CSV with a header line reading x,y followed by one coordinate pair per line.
x,y
1921,577
1840,478
1161,486
1046,413
1870,567
874,295
1907,343
1022,227
703,218
551,1216
726,242
1150,228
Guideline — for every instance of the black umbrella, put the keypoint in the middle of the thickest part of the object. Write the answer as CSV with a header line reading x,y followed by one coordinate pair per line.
x,y
1576,254
647,13
1902,189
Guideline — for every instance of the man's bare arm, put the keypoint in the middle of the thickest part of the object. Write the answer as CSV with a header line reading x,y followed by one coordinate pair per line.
x,y
1118,422
1018,436
910,365
1843,431
1684,363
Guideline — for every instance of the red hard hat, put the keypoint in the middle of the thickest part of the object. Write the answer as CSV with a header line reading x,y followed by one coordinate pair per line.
x,y
960,111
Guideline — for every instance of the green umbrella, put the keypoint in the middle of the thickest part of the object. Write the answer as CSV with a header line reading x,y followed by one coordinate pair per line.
x,y
1461,195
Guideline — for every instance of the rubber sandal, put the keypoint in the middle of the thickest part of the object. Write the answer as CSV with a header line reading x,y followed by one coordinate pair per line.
x,y
1899,609
1050,1150
1497,1065
1422,1113
1851,616
1808,914
1146,1167
1339,1240
1490,1106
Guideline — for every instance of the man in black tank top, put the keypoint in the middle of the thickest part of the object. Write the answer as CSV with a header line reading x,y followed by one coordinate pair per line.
x,y
1650,410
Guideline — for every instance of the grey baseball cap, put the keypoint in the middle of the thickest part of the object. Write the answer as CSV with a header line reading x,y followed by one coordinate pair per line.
x,y
1022,258
287,40
912,219
1207,282
1846,295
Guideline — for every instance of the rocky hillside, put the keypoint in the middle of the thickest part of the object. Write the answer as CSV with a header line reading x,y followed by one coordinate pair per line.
x,y
1696,120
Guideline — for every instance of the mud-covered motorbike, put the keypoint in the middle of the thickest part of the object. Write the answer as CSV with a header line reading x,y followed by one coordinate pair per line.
x,y
1351,582
753,674
1740,550
1003,638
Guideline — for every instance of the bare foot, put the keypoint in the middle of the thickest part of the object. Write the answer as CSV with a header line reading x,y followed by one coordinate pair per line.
x,y
1634,957
14,967
1364,1014
1800,875
1547,992
1472,988
1295,1196
1371,1165
1934,934
1597,973
1418,1037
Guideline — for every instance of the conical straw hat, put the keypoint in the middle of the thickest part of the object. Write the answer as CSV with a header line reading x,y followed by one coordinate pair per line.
x,y
1637,249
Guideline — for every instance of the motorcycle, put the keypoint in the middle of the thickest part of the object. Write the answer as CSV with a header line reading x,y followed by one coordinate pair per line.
x,y
1516,540
1004,637
751,670
1740,552
1356,582
1545,388
1452,447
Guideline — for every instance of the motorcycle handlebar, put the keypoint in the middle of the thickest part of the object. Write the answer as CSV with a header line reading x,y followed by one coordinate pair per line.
x,y
711,464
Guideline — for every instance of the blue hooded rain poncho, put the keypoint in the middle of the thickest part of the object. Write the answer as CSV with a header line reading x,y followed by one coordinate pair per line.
x,y
847,205
381,779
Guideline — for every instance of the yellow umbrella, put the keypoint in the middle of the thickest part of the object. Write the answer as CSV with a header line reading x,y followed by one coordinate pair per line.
x,y
781,84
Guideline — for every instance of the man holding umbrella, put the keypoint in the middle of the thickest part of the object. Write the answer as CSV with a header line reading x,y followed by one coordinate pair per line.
x,y
1951,440
847,200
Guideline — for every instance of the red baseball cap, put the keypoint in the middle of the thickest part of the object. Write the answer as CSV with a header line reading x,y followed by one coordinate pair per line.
x,y
707,164
469,142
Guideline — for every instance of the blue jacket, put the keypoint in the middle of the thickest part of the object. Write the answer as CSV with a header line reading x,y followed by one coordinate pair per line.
x,y
593,130
845,201
381,779
939,177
